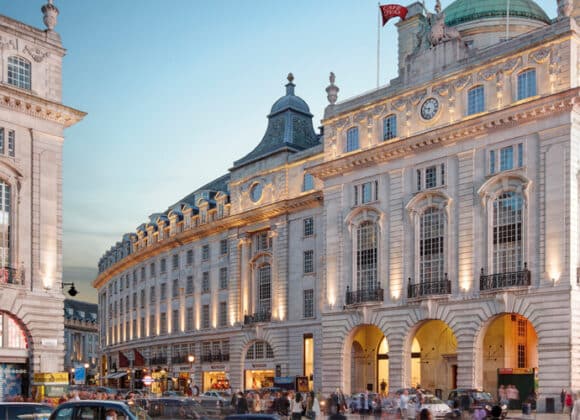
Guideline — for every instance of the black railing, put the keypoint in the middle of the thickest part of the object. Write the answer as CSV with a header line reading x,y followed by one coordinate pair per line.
x,y
371,294
503,280
208,358
265,316
158,360
179,359
9,275
429,288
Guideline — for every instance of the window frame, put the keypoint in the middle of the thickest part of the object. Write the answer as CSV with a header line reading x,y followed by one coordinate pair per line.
x,y
18,78
390,127
475,100
527,86
352,140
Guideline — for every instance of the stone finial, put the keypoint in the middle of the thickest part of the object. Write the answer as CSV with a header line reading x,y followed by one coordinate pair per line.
x,y
290,85
565,8
50,12
332,89
290,77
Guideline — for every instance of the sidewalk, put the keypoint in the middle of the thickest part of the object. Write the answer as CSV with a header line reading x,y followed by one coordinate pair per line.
x,y
543,416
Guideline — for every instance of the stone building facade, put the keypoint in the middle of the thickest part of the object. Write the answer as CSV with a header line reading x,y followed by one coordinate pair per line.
x,y
81,337
32,123
434,226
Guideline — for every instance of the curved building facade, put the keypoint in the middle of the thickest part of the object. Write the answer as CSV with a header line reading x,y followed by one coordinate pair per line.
x,y
429,238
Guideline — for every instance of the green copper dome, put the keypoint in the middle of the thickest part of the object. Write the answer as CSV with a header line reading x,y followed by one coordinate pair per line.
x,y
461,11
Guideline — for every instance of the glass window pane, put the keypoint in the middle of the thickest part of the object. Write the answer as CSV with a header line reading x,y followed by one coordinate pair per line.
x,y
527,84
390,127
475,100
352,139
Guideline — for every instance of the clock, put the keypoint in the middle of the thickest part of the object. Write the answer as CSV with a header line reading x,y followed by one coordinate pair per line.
x,y
429,108
256,192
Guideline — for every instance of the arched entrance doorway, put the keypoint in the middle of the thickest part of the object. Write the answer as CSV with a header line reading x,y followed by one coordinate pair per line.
x,y
13,357
434,357
369,355
510,357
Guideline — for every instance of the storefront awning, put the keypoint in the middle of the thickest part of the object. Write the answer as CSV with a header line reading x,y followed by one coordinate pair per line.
x,y
115,375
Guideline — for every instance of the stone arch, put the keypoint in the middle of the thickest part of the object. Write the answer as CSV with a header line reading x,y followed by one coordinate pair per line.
x,y
503,182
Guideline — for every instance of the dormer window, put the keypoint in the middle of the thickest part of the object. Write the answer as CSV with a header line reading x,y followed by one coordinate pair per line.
x,y
19,72
352,139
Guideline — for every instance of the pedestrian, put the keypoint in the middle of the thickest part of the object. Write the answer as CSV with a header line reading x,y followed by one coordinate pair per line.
x,y
568,403
563,399
242,405
425,414
404,403
297,406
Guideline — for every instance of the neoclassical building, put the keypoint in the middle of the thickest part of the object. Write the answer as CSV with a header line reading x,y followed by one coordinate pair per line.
x,y
32,124
429,234
81,338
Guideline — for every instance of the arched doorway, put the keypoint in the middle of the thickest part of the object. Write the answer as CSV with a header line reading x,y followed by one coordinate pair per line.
x,y
13,357
510,357
369,355
434,357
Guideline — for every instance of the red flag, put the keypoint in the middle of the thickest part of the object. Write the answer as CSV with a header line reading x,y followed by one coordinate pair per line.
x,y
123,360
392,10
139,359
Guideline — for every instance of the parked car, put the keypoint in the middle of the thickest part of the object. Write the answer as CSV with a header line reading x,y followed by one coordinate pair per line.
x,y
477,399
22,410
174,394
438,408
214,399
176,408
95,409
253,417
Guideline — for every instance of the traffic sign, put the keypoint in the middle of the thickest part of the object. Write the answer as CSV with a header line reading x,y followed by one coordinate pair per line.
x,y
147,380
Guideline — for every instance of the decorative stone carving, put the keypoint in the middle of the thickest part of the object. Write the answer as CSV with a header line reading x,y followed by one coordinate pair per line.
x,y
442,90
50,12
440,32
8,44
540,56
332,90
565,8
462,82
418,97
510,65
36,53
487,74
399,104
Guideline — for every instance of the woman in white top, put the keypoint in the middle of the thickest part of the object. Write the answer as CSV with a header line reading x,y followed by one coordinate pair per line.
x,y
297,407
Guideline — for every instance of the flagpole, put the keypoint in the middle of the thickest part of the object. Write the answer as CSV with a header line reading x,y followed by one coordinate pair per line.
x,y
507,22
378,44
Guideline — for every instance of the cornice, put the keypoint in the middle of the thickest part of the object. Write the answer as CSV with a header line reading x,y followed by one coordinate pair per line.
x,y
306,201
15,99
516,114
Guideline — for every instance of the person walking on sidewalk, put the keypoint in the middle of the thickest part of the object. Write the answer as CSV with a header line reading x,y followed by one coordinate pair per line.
x,y
575,415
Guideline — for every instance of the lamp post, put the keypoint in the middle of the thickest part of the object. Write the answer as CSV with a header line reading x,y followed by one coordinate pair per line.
x,y
191,360
72,291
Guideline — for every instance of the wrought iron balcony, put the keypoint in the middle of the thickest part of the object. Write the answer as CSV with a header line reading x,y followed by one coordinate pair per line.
x,y
9,275
265,316
208,358
181,359
504,280
372,294
429,288
158,360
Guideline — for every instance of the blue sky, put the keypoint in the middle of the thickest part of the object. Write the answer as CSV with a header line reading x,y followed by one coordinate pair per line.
x,y
177,90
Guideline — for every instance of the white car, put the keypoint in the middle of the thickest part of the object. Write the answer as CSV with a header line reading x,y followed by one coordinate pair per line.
x,y
214,399
437,407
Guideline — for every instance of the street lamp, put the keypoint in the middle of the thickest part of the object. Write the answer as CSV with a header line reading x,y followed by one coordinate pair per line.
x,y
72,291
191,359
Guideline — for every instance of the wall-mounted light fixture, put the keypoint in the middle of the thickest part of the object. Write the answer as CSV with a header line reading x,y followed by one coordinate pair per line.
x,y
72,291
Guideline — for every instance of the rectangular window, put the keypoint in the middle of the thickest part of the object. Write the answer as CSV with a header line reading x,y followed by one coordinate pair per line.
x,y
223,314
143,276
522,328
263,241
522,359
163,291
205,316
475,100
1,141
175,288
163,322
142,298
506,158
134,300
205,282
11,143
175,261
308,182
309,303
492,162
520,155
431,177
163,265
390,127
189,257
142,328
175,321
189,320
367,192
352,139
152,329
527,84
134,329
223,247
308,226
308,261
419,183
152,270
205,253
152,296
189,285
19,72
442,174
223,278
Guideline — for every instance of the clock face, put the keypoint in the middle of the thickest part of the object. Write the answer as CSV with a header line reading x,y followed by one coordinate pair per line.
x,y
429,108
256,192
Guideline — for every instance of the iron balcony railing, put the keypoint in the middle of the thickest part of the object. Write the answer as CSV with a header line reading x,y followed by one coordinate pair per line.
x,y
158,360
265,316
503,280
371,294
208,358
181,359
429,288
9,275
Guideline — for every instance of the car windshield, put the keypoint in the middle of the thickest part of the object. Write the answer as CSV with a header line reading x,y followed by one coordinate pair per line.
x,y
482,396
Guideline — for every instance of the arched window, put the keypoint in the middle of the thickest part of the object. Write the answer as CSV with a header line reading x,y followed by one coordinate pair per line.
x,y
432,245
265,289
366,256
352,139
19,72
12,336
507,233
390,127
475,100
5,231
526,84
